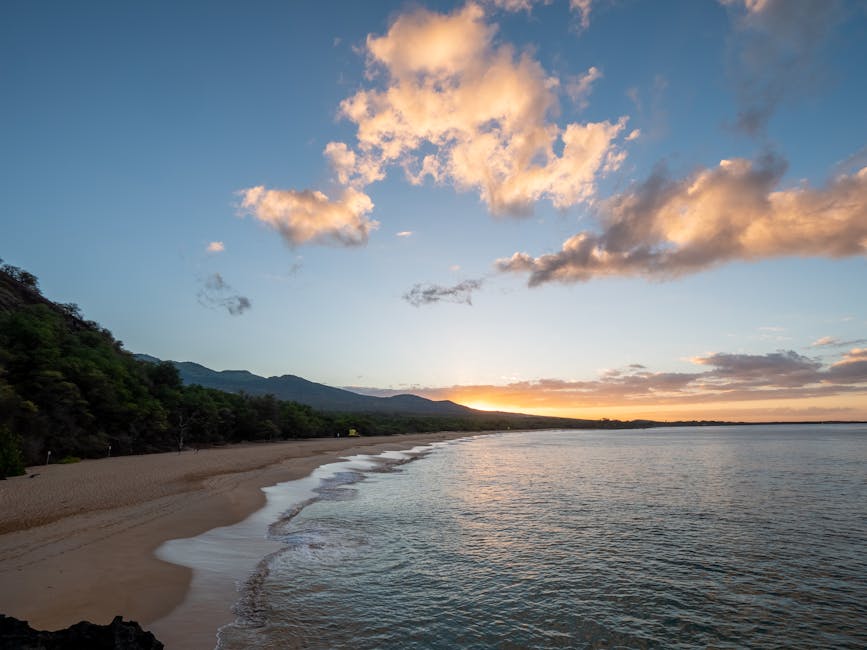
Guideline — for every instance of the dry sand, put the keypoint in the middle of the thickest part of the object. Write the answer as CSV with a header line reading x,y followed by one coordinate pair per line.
x,y
77,541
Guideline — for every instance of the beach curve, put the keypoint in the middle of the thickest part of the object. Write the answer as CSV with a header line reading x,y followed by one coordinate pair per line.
x,y
77,541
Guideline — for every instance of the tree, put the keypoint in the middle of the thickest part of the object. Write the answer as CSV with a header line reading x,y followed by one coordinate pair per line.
x,y
20,275
11,463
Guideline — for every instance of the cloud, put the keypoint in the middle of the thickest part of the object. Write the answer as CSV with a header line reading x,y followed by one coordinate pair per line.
x,y
216,293
722,377
775,52
852,369
458,108
216,247
852,162
833,342
427,294
447,102
579,88
311,216
666,228
783,368
581,7
513,5
404,233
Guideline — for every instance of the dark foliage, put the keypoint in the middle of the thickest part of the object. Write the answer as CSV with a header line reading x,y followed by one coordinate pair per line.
x,y
74,391
68,387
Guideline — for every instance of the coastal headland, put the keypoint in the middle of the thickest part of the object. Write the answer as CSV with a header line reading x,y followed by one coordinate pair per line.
x,y
77,541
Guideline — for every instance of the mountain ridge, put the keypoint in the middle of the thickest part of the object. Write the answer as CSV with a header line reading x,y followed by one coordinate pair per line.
x,y
319,396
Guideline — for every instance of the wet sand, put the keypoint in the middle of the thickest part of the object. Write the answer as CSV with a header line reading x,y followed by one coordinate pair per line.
x,y
77,541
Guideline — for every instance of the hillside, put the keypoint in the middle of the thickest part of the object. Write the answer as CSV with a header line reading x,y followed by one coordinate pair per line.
x,y
317,396
69,390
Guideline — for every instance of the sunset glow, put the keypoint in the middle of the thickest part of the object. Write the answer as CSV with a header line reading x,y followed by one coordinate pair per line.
x,y
586,209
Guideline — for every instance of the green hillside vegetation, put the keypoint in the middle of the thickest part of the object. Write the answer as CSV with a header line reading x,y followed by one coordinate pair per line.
x,y
67,386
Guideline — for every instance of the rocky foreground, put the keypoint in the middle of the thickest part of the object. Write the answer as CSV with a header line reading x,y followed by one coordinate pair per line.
x,y
117,635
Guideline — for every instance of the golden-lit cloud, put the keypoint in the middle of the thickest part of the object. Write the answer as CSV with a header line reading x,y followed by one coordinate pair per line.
x,y
216,247
852,368
785,379
834,342
311,216
459,108
450,104
667,227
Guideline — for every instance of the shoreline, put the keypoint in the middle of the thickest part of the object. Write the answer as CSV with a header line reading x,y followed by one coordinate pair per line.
x,y
77,542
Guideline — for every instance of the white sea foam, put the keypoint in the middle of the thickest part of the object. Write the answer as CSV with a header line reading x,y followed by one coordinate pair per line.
x,y
229,558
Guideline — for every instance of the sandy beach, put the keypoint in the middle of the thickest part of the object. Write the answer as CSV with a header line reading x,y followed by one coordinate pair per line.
x,y
77,541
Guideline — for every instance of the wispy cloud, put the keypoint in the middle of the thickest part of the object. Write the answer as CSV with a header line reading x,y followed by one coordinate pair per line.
x,y
833,342
580,7
216,293
216,247
775,53
666,227
427,294
404,233
579,88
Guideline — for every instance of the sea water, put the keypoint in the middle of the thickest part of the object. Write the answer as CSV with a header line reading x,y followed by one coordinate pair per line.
x,y
720,537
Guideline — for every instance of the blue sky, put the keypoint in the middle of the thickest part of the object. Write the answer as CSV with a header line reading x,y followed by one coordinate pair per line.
x,y
664,283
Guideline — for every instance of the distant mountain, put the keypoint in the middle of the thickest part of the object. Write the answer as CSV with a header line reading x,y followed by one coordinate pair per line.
x,y
318,396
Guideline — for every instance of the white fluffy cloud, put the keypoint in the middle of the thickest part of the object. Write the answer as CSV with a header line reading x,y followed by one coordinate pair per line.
x,y
671,227
458,108
311,216
450,104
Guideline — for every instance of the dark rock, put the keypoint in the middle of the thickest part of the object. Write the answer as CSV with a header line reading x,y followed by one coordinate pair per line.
x,y
117,635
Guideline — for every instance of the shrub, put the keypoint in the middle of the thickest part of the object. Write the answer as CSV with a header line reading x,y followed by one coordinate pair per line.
x,y
10,454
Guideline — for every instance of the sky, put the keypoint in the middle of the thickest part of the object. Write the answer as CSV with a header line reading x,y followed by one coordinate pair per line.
x,y
584,208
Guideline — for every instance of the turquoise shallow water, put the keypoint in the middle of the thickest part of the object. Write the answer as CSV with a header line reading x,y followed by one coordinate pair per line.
x,y
667,538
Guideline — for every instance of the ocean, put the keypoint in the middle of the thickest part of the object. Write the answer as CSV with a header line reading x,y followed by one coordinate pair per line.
x,y
694,537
